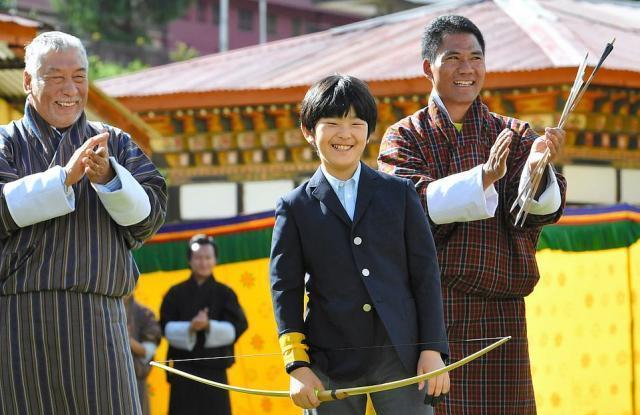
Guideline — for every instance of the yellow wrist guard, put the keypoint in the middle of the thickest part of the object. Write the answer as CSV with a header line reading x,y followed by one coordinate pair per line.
x,y
293,348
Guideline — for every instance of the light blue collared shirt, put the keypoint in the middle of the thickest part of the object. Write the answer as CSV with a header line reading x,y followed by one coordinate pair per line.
x,y
112,186
347,191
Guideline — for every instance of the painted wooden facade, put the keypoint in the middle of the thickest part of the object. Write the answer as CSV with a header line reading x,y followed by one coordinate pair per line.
x,y
263,140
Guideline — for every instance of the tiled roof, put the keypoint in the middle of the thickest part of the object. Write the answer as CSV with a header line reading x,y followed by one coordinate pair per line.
x,y
520,36
21,21
307,5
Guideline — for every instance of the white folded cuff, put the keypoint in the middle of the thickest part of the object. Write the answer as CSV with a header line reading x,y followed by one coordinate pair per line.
x,y
130,204
27,196
461,197
221,333
549,201
179,336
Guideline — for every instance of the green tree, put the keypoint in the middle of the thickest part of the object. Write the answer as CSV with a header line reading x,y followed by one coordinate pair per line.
x,y
182,52
99,69
119,20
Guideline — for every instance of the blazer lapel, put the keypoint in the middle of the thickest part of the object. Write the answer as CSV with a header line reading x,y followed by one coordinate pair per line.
x,y
324,193
366,189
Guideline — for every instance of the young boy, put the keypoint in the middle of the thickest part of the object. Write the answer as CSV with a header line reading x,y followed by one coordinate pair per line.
x,y
358,241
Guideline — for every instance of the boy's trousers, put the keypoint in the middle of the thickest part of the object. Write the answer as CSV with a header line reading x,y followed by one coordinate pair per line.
x,y
385,367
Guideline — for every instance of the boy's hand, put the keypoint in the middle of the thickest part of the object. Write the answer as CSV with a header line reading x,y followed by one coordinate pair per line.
x,y
303,386
429,361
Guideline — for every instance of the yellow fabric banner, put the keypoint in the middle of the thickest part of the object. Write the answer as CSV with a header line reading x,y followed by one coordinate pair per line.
x,y
581,335
634,277
250,281
580,321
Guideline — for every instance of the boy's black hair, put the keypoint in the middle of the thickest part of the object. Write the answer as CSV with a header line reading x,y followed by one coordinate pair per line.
x,y
201,239
334,96
446,25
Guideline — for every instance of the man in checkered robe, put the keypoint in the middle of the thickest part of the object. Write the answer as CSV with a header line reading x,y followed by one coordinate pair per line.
x,y
75,198
468,165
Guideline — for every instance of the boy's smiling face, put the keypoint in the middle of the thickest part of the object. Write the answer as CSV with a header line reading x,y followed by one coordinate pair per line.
x,y
340,142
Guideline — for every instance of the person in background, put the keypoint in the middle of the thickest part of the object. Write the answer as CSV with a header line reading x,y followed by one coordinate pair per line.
x,y
201,319
144,337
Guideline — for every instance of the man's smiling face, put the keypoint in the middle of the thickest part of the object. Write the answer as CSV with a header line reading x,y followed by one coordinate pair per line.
x,y
458,71
59,91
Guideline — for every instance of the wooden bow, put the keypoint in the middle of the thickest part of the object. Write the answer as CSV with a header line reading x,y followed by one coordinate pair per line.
x,y
330,395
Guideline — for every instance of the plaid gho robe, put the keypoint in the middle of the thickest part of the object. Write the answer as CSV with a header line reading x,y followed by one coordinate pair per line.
x,y
487,266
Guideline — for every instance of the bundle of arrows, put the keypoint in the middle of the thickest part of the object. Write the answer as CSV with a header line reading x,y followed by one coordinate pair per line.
x,y
528,192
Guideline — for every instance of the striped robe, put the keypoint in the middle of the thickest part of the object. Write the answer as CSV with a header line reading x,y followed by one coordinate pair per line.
x,y
64,346
488,266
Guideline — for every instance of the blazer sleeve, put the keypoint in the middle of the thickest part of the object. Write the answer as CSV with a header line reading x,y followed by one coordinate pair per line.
x,y
287,271
424,274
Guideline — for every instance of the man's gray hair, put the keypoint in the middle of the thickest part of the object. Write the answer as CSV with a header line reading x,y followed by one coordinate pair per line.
x,y
51,42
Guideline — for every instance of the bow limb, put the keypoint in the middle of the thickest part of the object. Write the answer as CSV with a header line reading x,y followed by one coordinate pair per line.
x,y
249,391
330,395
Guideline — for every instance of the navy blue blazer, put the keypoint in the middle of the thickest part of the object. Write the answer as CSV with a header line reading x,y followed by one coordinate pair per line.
x,y
382,266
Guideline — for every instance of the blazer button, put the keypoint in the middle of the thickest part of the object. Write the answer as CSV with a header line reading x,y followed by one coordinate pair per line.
x,y
365,272
366,308
357,240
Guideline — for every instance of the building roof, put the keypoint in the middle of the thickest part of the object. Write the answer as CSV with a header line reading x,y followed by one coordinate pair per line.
x,y
308,5
15,33
20,21
520,36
